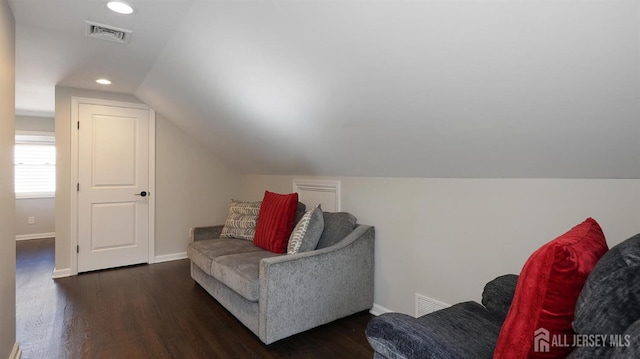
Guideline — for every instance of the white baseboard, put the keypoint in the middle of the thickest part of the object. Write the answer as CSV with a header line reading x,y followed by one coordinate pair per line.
x,y
16,353
61,273
66,272
378,309
26,237
170,257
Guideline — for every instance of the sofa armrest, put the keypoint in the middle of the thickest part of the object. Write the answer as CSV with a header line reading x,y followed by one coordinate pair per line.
x,y
400,336
301,291
202,233
463,330
498,294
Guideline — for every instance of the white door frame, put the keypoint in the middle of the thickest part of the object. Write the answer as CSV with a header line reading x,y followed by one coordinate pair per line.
x,y
75,105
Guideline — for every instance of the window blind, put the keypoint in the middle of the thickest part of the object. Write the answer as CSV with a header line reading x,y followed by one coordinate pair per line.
x,y
35,166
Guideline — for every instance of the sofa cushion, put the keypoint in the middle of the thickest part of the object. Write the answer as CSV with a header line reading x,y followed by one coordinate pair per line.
x,y
619,346
276,221
610,300
300,211
241,272
307,232
498,294
547,291
442,334
203,252
241,220
337,225
630,343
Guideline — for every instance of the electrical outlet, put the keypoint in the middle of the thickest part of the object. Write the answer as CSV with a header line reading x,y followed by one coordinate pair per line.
x,y
31,220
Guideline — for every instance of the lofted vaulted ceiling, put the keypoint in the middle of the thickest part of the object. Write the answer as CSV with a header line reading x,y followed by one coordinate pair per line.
x,y
478,88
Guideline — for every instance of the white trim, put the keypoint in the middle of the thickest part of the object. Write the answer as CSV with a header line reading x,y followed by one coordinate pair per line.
x,y
324,186
152,186
100,102
36,195
378,309
73,237
26,237
61,273
35,113
75,103
16,353
170,257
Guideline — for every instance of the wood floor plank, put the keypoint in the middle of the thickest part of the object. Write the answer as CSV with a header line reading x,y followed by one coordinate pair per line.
x,y
149,311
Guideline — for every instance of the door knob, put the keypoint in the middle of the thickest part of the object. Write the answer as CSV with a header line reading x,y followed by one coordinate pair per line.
x,y
143,194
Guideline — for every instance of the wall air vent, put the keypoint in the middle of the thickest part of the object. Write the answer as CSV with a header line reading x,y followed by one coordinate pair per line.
x,y
109,33
426,305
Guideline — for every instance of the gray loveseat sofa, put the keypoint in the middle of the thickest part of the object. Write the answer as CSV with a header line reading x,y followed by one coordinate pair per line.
x,y
278,295
608,306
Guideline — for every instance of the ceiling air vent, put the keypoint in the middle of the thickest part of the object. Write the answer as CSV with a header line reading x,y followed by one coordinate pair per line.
x,y
109,33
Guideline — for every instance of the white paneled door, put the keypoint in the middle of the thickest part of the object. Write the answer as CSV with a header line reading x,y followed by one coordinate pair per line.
x,y
113,186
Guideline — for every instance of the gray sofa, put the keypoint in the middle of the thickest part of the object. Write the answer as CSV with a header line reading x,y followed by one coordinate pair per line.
x,y
609,304
278,295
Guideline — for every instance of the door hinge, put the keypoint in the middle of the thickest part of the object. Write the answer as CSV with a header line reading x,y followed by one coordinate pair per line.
x,y
78,187
77,249
78,125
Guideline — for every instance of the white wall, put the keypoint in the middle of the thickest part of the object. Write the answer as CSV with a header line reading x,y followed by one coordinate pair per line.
x,y
7,203
43,212
193,188
42,209
445,238
35,123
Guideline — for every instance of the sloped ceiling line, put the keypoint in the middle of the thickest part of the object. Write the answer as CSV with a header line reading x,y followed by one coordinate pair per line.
x,y
387,88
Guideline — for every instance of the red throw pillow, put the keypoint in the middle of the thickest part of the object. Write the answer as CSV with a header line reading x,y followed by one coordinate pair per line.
x,y
275,221
546,294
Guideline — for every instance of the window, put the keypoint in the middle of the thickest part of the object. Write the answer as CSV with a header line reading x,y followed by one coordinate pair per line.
x,y
35,165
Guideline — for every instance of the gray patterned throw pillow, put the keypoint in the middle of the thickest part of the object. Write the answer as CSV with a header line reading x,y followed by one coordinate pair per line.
x,y
241,220
306,234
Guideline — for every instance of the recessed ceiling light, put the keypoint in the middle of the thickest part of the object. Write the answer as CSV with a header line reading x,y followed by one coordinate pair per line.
x,y
120,7
103,82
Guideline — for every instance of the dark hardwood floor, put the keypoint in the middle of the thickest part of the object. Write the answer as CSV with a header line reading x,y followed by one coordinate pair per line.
x,y
149,311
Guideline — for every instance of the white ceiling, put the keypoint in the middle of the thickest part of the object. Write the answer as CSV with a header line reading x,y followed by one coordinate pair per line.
x,y
52,49
478,88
